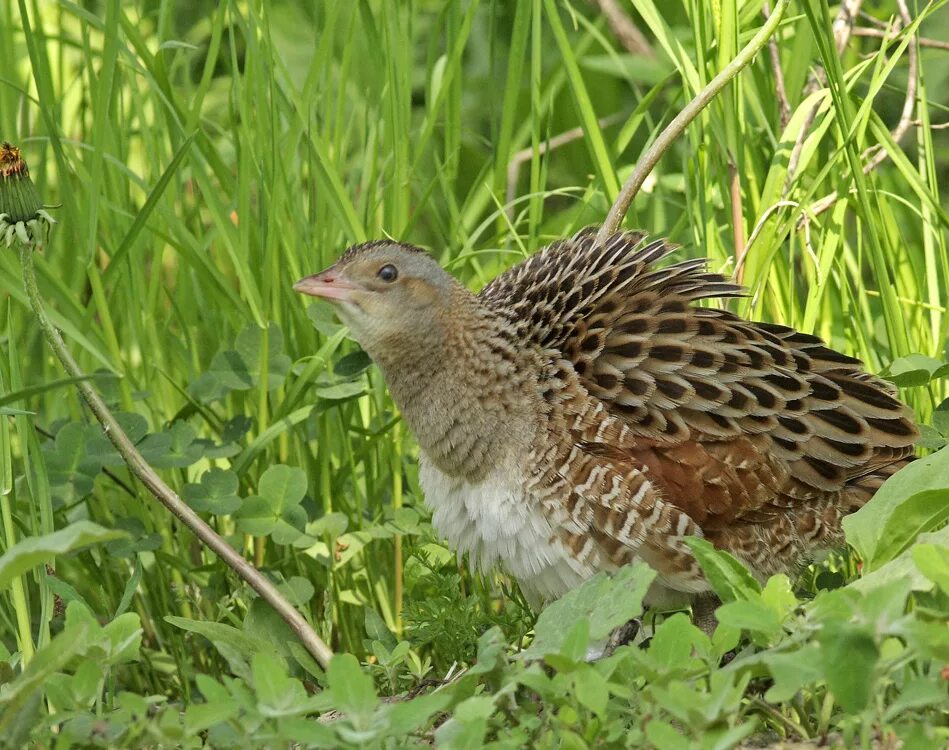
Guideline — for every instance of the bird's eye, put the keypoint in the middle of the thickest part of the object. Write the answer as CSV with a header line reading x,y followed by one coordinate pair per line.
x,y
388,273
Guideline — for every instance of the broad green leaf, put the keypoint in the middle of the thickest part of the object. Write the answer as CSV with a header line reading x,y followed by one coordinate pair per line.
x,y
265,625
298,590
408,716
750,614
332,524
377,630
574,646
352,364
455,734
491,652
277,694
351,688
929,639
324,319
475,708
918,693
217,708
124,634
933,562
672,644
793,671
115,642
72,469
183,449
53,657
276,510
231,371
338,391
941,418
663,734
239,369
912,501
849,656
283,485
37,550
591,689
903,568
916,370
729,578
249,344
215,493
779,595
137,538
607,602
305,732
233,644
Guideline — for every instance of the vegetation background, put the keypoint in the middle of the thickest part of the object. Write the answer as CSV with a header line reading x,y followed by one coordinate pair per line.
x,y
203,156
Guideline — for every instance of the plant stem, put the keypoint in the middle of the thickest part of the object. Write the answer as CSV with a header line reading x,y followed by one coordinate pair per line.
x,y
679,123
18,590
162,492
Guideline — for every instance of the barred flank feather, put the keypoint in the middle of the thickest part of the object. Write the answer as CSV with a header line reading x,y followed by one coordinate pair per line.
x,y
759,434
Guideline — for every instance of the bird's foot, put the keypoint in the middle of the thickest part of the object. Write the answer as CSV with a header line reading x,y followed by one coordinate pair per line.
x,y
703,613
621,636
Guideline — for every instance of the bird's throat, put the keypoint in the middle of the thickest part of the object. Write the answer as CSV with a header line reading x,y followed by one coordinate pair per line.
x,y
466,393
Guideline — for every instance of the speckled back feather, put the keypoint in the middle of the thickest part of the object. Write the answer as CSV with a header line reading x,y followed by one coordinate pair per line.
x,y
750,428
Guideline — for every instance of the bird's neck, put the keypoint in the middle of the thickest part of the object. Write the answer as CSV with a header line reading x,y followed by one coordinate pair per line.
x,y
466,390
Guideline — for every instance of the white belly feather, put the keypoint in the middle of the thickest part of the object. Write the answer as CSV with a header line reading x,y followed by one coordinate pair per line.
x,y
495,524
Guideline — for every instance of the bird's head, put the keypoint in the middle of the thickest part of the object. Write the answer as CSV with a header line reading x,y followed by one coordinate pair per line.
x,y
386,292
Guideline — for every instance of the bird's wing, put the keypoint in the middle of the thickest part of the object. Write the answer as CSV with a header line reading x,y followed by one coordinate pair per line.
x,y
678,374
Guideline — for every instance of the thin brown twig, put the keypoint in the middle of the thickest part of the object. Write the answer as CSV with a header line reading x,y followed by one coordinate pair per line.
x,y
526,154
937,126
844,22
881,34
879,23
738,222
784,106
880,154
625,30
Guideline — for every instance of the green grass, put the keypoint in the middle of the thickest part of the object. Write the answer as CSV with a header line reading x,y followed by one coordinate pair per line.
x,y
202,157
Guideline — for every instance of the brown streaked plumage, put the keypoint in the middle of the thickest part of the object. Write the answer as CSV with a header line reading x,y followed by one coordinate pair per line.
x,y
582,412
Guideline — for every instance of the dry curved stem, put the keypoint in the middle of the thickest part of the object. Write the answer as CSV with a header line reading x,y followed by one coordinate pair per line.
x,y
784,106
844,22
738,225
625,30
157,487
675,128
552,143
881,34
879,154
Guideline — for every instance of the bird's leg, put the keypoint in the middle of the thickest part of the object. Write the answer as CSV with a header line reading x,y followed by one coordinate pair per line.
x,y
621,636
703,612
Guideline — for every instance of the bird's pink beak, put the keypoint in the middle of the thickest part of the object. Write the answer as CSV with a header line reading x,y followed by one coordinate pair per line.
x,y
327,284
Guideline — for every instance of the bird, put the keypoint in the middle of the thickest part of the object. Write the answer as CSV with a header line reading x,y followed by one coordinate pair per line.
x,y
583,411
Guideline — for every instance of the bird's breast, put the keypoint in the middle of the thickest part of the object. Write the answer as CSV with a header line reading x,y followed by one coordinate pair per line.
x,y
497,523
